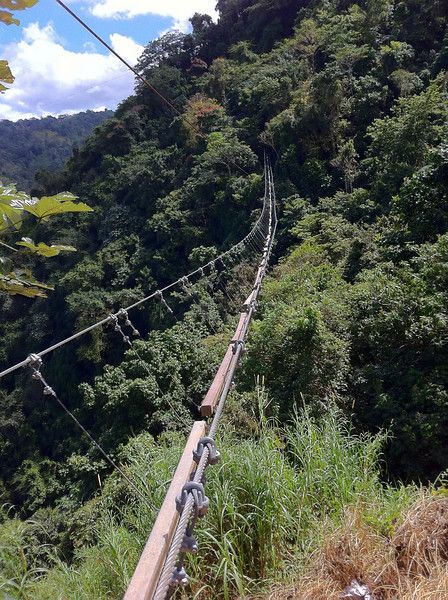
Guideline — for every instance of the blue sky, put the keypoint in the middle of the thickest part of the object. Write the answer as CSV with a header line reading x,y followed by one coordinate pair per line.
x,y
60,68
141,28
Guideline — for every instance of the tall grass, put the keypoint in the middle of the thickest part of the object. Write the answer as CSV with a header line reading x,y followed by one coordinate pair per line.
x,y
271,499
274,498
19,568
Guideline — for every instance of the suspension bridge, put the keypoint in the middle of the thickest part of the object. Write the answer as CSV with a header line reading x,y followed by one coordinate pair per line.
x,y
161,568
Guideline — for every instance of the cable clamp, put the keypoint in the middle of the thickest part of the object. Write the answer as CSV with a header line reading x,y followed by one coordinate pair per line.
x,y
189,544
35,361
161,297
185,285
123,313
201,502
213,454
115,323
179,578
235,344
118,329
250,305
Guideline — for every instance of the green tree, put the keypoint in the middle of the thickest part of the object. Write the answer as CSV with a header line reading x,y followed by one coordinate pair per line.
x,y
401,143
346,161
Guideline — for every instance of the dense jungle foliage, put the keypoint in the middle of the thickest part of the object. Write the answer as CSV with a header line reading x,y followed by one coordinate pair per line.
x,y
351,100
33,145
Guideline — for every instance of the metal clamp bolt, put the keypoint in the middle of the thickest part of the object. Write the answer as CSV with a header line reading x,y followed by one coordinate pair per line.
x,y
236,344
186,285
200,499
161,297
35,361
127,321
189,544
179,578
118,329
213,454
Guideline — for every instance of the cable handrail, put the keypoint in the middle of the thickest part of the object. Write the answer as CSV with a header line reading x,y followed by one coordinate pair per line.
x,y
172,534
200,271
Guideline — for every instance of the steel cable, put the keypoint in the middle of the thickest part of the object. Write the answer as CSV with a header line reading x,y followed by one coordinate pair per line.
x,y
166,576
199,272
49,391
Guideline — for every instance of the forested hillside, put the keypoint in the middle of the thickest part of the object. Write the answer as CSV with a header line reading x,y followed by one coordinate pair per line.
x,y
350,99
33,145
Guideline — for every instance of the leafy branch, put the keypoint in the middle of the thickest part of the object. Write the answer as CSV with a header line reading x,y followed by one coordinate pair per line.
x,y
15,208
7,17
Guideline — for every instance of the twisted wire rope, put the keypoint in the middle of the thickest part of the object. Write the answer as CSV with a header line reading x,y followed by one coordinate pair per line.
x,y
166,577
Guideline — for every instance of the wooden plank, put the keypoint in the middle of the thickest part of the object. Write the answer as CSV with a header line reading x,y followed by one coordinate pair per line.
x,y
144,581
211,398
248,301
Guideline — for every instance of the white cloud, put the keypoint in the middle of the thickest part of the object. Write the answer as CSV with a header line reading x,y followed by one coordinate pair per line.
x,y
126,47
53,80
179,10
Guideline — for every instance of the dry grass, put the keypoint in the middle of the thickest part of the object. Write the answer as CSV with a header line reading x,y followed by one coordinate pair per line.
x,y
412,564
422,538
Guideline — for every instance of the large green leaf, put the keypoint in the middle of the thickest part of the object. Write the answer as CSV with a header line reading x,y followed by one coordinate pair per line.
x,y
49,206
5,72
14,207
44,250
23,283
10,218
7,17
11,215
14,204
9,193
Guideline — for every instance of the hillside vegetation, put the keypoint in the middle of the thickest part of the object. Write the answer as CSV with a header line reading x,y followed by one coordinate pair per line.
x,y
33,145
340,412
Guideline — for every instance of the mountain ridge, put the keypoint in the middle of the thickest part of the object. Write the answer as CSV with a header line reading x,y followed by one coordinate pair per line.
x,y
38,144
